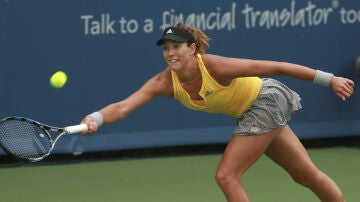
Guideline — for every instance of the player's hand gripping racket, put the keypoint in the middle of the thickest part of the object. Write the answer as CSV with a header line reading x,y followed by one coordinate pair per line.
x,y
30,140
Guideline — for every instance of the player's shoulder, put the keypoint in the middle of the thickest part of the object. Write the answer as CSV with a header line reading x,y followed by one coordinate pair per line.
x,y
163,76
220,67
212,57
162,82
213,61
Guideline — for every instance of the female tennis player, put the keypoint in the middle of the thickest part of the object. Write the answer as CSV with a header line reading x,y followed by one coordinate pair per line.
x,y
231,86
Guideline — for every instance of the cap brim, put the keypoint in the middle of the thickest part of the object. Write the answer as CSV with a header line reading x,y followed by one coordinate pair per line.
x,y
171,38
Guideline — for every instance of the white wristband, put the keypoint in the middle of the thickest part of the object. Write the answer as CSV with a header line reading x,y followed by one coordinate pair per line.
x,y
97,117
323,78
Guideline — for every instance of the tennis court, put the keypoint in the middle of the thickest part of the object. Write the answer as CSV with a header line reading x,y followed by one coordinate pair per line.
x,y
176,179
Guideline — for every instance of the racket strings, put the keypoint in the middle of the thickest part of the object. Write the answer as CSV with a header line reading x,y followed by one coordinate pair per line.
x,y
24,139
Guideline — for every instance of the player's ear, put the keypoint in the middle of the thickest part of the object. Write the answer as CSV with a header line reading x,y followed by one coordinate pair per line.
x,y
193,48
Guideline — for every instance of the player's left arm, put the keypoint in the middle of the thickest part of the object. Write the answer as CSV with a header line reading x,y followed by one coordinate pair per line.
x,y
235,67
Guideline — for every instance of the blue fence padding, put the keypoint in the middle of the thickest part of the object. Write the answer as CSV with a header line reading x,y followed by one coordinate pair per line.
x,y
192,136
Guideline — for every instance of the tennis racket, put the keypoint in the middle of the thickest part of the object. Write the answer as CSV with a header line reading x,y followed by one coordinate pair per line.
x,y
29,140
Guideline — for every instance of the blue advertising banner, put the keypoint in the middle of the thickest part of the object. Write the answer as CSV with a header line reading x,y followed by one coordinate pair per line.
x,y
107,48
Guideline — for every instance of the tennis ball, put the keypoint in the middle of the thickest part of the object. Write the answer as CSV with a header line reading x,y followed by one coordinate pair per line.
x,y
58,80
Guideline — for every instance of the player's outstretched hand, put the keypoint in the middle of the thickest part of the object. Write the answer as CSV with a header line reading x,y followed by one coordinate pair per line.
x,y
92,126
343,87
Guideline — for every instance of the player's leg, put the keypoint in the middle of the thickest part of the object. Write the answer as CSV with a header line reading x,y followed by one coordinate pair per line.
x,y
240,153
287,151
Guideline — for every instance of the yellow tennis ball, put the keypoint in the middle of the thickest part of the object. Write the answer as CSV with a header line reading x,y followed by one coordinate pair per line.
x,y
58,80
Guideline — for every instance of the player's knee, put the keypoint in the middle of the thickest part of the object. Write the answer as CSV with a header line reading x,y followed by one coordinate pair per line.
x,y
224,179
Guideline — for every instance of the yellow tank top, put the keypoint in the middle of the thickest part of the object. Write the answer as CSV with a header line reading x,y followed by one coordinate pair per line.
x,y
232,100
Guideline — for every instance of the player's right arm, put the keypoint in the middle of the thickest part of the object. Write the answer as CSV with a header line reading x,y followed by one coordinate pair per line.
x,y
159,85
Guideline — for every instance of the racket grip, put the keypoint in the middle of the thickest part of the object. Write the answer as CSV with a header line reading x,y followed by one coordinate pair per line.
x,y
75,129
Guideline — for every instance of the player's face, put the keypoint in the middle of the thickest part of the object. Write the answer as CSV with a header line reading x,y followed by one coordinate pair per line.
x,y
177,55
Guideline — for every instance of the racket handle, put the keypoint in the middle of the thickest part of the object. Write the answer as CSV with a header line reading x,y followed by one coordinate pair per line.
x,y
75,129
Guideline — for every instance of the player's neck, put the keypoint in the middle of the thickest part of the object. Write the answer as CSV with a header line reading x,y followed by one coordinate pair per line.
x,y
190,74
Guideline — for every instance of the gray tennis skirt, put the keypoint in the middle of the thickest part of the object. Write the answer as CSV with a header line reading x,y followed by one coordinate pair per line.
x,y
274,107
